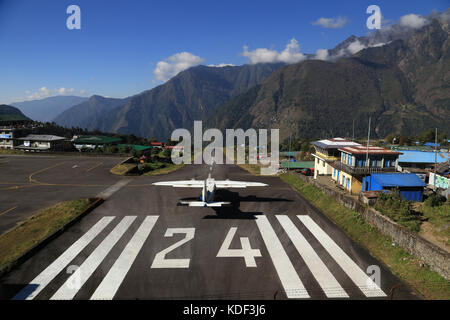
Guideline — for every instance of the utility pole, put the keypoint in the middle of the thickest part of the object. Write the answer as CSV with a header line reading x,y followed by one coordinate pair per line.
x,y
435,158
353,131
368,141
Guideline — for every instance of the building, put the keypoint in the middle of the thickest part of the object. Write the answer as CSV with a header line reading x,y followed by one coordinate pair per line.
x,y
157,144
41,143
440,181
92,142
327,151
297,165
419,159
409,185
356,162
135,147
8,137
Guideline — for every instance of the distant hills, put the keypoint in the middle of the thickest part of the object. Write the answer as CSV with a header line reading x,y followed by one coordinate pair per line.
x,y
191,95
404,86
47,109
9,113
89,114
400,78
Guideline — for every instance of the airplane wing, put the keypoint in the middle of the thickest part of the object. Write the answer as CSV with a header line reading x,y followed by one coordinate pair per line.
x,y
181,184
237,184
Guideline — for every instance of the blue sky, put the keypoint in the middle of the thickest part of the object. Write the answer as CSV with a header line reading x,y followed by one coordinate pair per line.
x,y
121,42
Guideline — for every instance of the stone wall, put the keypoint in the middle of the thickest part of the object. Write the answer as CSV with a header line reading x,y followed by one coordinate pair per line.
x,y
430,254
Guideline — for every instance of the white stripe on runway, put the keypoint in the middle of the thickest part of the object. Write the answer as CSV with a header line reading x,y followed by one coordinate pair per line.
x,y
70,288
328,283
356,274
289,278
44,278
111,283
113,189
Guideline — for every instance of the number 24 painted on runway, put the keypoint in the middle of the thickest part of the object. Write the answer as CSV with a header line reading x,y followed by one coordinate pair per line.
x,y
246,252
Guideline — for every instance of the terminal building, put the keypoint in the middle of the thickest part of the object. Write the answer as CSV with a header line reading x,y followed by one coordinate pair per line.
x,y
327,152
356,162
41,143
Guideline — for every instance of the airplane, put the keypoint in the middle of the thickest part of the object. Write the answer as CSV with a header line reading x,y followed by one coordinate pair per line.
x,y
209,186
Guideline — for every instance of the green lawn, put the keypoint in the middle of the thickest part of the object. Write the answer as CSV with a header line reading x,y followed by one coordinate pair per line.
x,y
158,168
425,281
32,231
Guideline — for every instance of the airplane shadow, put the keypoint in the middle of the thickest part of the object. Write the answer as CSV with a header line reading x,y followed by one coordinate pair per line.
x,y
233,211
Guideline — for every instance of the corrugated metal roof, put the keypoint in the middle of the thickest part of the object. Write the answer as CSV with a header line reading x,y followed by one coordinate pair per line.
x,y
372,150
41,137
421,157
297,164
398,180
334,143
96,139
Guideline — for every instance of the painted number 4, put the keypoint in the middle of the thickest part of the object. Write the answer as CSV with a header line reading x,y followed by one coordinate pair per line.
x,y
246,252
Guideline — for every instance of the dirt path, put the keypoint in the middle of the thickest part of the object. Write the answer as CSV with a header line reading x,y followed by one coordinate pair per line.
x,y
426,231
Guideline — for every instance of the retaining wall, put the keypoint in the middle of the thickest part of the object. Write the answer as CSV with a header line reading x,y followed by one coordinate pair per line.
x,y
430,254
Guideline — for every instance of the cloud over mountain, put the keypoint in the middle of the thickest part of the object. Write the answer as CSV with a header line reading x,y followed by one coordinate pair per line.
x,y
174,64
291,54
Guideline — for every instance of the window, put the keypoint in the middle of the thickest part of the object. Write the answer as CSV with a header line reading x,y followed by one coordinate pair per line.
x,y
323,164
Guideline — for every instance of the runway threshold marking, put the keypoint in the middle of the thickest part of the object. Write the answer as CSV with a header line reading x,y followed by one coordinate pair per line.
x,y
356,274
46,276
321,273
74,283
9,210
289,278
112,281
96,166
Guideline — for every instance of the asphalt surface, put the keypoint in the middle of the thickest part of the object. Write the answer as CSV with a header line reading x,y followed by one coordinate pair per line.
x,y
30,183
127,248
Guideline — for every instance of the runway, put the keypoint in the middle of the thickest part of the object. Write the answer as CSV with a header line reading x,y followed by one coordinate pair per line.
x,y
140,245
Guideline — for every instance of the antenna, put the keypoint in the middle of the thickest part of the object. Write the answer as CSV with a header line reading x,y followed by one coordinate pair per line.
x,y
368,141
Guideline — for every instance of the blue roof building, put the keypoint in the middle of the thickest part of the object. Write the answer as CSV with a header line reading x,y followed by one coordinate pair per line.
x,y
409,185
420,157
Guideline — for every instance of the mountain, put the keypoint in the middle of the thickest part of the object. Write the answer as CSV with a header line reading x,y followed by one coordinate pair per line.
x,y
9,113
89,114
191,95
45,110
404,86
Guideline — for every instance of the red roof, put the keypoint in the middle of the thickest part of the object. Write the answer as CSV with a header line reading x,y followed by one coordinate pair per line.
x,y
372,150
174,147
156,143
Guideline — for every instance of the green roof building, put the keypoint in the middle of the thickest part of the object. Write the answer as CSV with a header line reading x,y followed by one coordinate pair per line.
x,y
92,142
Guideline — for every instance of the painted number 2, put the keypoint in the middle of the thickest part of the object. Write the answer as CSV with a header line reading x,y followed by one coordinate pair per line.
x,y
246,252
160,260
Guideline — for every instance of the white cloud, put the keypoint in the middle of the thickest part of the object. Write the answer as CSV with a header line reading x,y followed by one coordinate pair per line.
x,y
221,65
174,64
291,54
44,92
321,54
333,23
412,21
355,47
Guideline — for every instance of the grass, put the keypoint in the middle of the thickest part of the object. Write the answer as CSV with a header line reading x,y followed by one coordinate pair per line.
x,y
123,169
425,281
9,151
159,168
35,229
254,169
439,217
